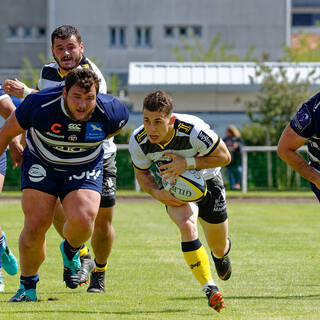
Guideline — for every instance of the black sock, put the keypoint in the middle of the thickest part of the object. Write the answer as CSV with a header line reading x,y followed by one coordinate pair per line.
x,y
69,250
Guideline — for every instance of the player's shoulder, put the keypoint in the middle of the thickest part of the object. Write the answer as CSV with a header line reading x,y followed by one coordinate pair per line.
x,y
50,72
139,134
46,95
188,124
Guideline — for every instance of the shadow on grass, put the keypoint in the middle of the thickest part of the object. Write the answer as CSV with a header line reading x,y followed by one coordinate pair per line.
x,y
311,296
83,312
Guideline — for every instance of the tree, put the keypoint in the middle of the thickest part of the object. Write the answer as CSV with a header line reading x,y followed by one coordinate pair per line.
x,y
194,51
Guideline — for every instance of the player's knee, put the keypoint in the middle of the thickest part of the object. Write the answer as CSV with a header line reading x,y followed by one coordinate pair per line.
x,y
188,227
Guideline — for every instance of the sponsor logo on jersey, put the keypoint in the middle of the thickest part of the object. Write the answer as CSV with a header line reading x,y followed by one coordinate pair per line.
x,y
74,127
141,135
302,118
37,173
184,127
54,135
93,174
207,140
70,149
55,128
94,131
72,138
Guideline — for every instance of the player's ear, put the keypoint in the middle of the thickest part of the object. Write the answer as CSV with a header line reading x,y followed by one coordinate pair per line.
x,y
64,93
172,119
81,47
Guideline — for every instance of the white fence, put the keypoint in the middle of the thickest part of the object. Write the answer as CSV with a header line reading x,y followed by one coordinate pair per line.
x,y
244,154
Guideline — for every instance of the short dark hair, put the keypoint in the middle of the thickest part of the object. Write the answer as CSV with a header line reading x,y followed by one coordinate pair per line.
x,y
84,78
158,101
64,32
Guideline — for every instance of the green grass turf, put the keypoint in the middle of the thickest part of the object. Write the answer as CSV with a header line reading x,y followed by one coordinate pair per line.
x,y
275,256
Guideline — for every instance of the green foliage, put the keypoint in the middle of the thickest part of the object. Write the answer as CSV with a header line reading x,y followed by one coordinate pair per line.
x,y
28,74
308,50
276,101
194,51
114,85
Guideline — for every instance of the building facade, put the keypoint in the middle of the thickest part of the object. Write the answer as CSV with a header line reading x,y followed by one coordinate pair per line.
x,y
116,32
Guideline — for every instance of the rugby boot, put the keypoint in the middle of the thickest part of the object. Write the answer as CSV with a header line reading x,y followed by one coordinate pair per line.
x,y
223,265
215,298
23,295
71,269
9,261
97,282
87,266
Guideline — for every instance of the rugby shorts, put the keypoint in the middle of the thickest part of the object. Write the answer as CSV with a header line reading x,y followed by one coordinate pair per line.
x,y
109,182
212,208
3,163
36,175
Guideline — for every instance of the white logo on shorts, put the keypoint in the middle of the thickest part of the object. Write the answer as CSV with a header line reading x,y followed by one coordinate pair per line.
x,y
86,174
37,173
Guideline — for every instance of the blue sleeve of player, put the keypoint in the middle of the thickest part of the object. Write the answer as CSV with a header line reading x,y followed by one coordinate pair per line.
x,y
118,114
303,123
24,112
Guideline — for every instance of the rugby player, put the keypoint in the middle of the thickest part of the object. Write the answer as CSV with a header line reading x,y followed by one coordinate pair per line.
x,y
191,144
63,158
67,50
7,259
304,128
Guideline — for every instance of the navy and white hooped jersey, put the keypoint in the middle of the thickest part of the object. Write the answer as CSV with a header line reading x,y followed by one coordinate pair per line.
x,y
61,142
306,123
192,136
51,77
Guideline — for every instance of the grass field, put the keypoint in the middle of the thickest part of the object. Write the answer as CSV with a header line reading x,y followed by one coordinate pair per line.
x,y
275,255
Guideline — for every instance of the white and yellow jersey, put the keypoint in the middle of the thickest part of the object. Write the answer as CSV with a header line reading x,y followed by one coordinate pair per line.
x,y
192,136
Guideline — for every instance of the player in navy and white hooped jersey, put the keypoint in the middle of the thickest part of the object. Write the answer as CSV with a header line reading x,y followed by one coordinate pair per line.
x,y
67,50
63,158
174,143
304,128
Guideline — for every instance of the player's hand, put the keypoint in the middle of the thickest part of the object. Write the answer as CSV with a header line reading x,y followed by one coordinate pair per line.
x,y
14,88
16,150
167,198
174,168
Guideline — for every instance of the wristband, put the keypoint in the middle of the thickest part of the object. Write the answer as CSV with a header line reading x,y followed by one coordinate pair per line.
x,y
26,91
191,162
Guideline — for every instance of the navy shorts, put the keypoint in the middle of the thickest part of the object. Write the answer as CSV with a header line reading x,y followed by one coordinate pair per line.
x,y
36,175
3,163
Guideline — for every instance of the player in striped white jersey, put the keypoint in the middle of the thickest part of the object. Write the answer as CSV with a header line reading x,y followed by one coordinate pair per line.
x,y
67,50
63,158
174,143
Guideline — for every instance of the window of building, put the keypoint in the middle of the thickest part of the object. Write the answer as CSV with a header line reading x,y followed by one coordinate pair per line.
x,y
183,31
41,32
169,32
197,31
117,37
305,19
13,32
26,33
143,37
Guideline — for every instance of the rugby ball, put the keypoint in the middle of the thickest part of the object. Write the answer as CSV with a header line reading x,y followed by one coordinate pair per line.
x,y
190,186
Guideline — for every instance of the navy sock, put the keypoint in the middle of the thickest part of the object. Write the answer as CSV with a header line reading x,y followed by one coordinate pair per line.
x,y
29,282
69,250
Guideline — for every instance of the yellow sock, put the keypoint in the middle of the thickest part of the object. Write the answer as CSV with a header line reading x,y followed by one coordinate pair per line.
x,y
84,250
197,259
101,269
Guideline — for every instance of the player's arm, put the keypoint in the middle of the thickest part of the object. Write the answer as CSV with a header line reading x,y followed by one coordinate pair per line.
x,y
6,109
148,184
219,157
288,144
17,88
9,130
